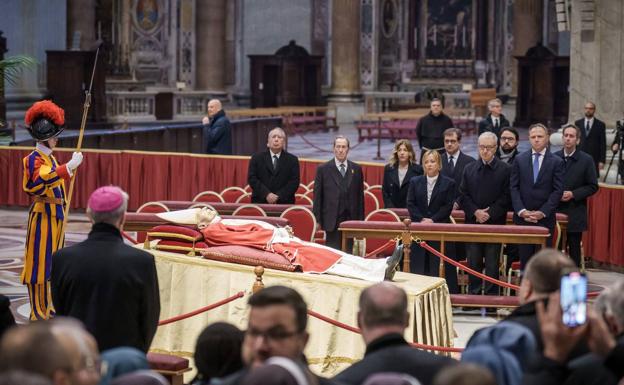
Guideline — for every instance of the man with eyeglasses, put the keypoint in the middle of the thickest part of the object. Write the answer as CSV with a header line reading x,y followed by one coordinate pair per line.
x,y
485,199
508,144
453,163
495,120
277,325
593,139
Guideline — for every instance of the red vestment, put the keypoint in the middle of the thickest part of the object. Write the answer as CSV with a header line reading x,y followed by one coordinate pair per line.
x,y
312,258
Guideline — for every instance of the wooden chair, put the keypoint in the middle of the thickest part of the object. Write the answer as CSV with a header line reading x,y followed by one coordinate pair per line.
x,y
302,221
370,203
152,208
514,269
377,191
245,198
301,199
311,186
247,188
302,189
250,210
375,247
208,196
232,194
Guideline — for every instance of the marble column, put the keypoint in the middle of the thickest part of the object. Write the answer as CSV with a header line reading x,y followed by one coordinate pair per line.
x,y
527,32
210,44
596,60
81,18
345,61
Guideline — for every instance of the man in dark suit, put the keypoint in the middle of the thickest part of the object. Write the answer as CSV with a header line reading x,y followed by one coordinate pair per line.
x,y
536,187
383,318
593,138
274,174
485,199
338,192
217,134
430,128
108,285
453,163
495,120
579,183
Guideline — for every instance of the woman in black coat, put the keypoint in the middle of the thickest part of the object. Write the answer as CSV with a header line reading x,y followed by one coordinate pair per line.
x,y
429,200
397,174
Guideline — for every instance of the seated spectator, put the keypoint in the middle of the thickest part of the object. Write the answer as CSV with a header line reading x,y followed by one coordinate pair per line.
x,y
6,317
278,319
121,361
110,286
504,348
141,377
465,374
383,318
541,278
218,352
34,349
60,350
278,371
18,377
560,342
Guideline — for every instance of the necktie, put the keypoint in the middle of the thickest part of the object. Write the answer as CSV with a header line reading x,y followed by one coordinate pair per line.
x,y
536,166
587,128
275,162
343,170
451,166
496,124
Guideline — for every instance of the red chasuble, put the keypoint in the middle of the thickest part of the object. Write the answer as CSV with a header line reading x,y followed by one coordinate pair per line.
x,y
311,257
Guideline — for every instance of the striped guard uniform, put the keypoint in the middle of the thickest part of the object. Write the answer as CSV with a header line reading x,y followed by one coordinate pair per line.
x,y
44,180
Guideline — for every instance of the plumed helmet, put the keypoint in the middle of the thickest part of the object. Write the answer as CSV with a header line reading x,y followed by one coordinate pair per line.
x,y
44,120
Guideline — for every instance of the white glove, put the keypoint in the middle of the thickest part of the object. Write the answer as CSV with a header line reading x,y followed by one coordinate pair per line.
x,y
75,161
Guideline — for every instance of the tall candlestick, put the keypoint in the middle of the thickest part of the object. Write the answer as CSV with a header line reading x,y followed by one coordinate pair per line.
x,y
464,36
434,34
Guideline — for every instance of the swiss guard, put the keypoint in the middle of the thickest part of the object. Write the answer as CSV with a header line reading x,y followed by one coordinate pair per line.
x,y
44,179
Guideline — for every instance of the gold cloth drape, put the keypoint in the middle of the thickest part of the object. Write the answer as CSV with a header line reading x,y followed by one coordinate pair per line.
x,y
188,283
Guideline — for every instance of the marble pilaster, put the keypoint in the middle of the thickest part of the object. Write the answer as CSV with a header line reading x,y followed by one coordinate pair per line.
x,y
596,61
345,51
527,32
81,18
210,43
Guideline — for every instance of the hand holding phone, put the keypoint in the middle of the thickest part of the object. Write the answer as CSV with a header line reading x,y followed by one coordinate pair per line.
x,y
573,298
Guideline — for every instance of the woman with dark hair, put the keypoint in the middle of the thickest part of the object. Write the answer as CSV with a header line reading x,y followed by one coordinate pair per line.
x,y
217,353
397,173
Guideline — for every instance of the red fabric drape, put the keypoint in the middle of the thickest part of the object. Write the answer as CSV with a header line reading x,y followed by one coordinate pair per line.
x,y
148,176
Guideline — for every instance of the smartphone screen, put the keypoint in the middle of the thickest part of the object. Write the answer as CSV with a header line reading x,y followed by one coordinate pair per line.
x,y
573,298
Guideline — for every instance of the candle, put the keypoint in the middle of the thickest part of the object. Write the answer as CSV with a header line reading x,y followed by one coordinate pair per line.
x,y
434,34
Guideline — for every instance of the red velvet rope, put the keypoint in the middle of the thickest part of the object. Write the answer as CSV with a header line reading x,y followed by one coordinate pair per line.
x,y
391,242
358,331
424,245
201,310
125,235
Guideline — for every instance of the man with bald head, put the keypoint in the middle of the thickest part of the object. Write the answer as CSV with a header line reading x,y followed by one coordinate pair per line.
x,y
382,319
217,134
110,286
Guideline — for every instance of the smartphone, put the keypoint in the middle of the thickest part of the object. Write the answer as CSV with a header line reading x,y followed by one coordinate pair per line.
x,y
574,298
